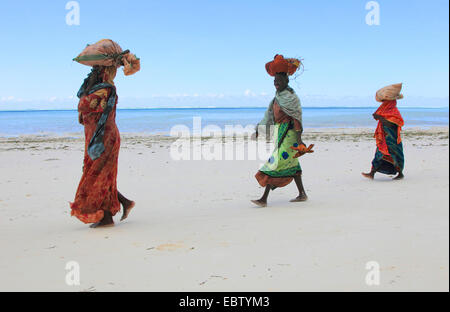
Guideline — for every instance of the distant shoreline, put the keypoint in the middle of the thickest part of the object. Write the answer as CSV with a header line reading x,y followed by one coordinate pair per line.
x,y
364,133
163,120
222,108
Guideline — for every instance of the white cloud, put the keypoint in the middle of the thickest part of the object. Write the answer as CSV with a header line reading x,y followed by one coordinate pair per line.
x,y
7,98
249,92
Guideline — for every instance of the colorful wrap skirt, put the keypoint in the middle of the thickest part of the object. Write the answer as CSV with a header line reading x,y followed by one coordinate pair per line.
x,y
282,167
394,161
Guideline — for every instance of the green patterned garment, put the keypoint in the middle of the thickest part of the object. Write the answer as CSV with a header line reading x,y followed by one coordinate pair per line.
x,y
282,163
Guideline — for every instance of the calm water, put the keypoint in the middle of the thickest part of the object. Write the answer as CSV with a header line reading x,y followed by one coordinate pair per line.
x,y
161,120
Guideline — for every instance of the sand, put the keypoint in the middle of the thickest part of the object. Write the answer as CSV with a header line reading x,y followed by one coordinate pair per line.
x,y
194,228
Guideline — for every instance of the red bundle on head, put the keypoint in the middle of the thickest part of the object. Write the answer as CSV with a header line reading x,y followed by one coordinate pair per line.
x,y
282,65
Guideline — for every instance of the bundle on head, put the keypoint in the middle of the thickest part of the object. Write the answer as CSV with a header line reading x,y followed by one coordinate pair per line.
x,y
283,65
390,93
108,53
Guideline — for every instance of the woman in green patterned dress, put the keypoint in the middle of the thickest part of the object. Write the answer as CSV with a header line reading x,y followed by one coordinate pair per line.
x,y
285,115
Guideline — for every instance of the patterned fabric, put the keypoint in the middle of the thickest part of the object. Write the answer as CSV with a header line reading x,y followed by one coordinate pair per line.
x,y
389,111
281,117
389,158
281,167
96,146
97,191
392,161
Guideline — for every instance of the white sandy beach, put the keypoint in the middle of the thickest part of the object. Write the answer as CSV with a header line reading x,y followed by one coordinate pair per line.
x,y
194,228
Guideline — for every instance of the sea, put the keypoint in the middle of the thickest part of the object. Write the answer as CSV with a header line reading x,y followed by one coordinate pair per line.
x,y
161,120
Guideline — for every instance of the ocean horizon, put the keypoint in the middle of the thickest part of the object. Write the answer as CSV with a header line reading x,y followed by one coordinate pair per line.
x,y
161,120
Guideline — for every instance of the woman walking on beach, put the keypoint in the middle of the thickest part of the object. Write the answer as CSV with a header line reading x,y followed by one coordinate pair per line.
x,y
389,158
97,199
285,115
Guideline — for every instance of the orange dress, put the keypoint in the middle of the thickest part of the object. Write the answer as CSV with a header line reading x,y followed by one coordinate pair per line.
x,y
264,179
97,191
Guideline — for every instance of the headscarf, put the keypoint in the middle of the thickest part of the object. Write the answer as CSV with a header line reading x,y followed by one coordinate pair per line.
x,y
389,111
98,74
288,102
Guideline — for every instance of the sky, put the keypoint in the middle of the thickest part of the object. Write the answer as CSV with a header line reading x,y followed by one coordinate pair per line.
x,y
213,52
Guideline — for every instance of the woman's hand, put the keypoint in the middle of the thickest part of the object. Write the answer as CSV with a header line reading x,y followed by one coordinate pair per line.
x,y
302,150
80,118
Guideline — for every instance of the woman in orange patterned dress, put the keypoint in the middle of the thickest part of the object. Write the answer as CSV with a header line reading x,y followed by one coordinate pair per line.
x,y
97,199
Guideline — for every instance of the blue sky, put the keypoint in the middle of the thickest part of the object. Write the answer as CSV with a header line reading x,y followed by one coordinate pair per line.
x,y
213,52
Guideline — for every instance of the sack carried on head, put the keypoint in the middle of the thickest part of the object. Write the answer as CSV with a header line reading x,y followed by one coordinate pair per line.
x,y
108,53
390,93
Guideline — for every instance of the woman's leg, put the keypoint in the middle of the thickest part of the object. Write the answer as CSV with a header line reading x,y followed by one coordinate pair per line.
x,y
301,190
371,174
399,175
126,204
262,202
105,222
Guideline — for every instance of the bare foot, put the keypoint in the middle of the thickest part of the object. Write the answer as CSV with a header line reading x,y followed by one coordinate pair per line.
x,y
300,198
259,203
127,209
400,176
367,175
102,224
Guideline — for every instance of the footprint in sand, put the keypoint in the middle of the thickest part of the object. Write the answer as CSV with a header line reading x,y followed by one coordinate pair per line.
x,y
214,277
169,247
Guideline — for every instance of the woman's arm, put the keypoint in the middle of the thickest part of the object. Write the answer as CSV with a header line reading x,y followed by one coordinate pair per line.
x,y
299,138
92,103
298,126
384,121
